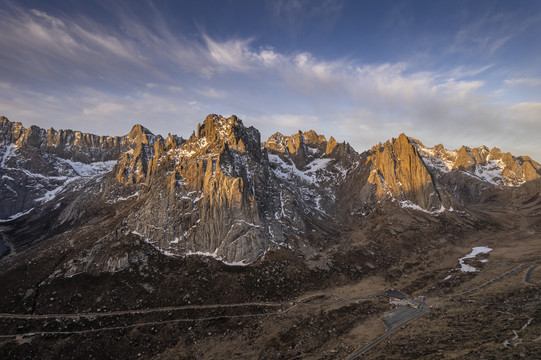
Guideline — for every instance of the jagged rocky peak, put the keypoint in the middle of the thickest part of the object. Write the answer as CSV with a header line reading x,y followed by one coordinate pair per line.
x,y
9,131
137,164
302,147
296,142
398,170
38,165
213,188
140,161
140,135
217,132
67,144
492,166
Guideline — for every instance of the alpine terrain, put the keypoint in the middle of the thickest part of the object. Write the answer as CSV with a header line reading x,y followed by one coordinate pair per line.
x,y
221,244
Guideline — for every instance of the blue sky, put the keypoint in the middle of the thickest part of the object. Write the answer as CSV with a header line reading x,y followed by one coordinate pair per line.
x,y
451,72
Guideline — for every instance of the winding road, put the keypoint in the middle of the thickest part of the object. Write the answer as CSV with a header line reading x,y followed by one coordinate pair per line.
x,y
407,316
393,320
134,312
404,318
528,274
291,305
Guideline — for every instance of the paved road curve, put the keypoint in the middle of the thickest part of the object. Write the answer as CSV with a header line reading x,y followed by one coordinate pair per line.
x,y
528,274
398,317
403,318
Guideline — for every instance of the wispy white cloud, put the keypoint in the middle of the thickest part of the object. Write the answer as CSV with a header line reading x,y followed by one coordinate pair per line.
x,y
101,112
166,81
294,14
212,93
288,123
233,55
486,35
533,82
466,72
527,113
43,43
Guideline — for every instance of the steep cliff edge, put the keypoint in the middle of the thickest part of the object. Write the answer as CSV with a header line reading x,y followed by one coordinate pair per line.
x,y
211,194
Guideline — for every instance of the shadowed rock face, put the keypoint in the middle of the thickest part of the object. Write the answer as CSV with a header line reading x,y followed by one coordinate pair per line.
x,y
207,195
69,144
491,166
224,193
36,163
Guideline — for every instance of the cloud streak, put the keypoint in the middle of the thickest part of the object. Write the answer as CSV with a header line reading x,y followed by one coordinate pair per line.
x,y
532,82
75,72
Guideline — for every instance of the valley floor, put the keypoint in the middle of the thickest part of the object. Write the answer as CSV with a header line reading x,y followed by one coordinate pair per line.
x,y
494,313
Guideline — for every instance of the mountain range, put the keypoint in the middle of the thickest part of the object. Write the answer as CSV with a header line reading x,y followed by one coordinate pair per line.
x,y
275,218
224,193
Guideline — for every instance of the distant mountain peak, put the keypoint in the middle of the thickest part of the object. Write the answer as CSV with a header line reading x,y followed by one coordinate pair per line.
x,y
140,134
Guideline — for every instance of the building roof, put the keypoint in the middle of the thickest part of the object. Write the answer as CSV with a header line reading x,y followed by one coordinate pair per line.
x,y
395,294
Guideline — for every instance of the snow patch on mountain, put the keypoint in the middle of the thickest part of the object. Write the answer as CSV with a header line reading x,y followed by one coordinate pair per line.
x,y
91,169
474,252
118,199
316,165
147,240
406,204
16,216
435,160
51,194
311,175
285,171
481,164
490,172
215,256
9,152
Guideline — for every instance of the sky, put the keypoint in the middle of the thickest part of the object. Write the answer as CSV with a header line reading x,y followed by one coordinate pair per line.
x,y
451,72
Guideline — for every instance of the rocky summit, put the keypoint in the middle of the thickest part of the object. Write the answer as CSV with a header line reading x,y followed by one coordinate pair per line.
x,y
105,223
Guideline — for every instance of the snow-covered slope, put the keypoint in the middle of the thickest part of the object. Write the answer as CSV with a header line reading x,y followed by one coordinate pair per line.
x,y
490,166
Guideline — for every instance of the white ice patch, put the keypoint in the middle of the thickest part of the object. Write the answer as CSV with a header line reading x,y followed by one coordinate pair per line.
x,y
435,161
15,216
490,172
474,252
316,165
246,223
123,198
92,169
50,195
286,171
39,176
406,204
312,150
193,196
183,152
145,239
10,151
215,256
186,153
202,142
